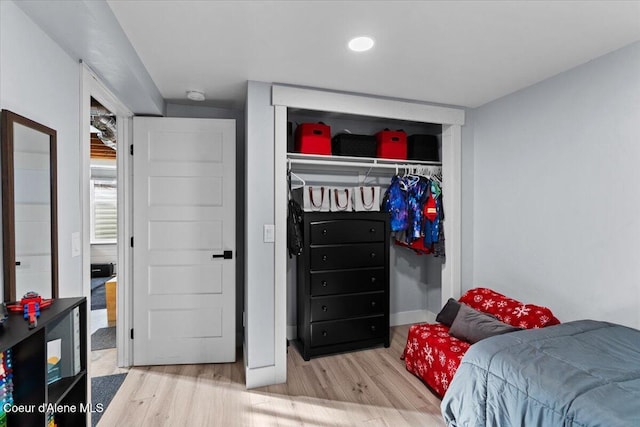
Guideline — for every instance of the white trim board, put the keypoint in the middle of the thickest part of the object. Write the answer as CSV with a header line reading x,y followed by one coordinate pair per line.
x,y
91,86
260,377
411,317
311,99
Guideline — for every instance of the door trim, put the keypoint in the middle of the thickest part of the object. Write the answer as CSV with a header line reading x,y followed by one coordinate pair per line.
x,y
92,86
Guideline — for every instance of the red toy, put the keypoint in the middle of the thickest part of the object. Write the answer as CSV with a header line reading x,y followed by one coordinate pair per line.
x,y
30,305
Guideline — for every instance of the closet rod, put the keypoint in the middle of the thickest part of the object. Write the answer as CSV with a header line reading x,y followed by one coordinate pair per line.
x,y
372,164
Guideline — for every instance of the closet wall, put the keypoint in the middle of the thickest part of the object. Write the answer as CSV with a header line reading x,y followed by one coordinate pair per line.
x,y
415,280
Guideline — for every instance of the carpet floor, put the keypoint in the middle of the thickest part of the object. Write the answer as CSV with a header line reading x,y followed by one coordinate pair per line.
x,y
98,293
102,391
103,338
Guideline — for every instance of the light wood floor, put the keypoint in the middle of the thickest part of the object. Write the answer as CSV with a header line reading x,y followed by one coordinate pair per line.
x,y
105,362
369,387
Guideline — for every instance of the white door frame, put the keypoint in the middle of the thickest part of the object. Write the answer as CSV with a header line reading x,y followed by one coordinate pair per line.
x,y
91,86
452,119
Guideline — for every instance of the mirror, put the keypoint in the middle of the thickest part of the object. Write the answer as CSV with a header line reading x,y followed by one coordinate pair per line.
x,y
29,218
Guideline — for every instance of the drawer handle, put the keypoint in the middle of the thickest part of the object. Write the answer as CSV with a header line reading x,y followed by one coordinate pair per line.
x,y
324,333
373,279
324,231
324,308
324,283
373,304
373,254
324,257
372,230
373,328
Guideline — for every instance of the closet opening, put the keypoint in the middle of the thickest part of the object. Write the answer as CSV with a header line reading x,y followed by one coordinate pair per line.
x,y
407,277
414,278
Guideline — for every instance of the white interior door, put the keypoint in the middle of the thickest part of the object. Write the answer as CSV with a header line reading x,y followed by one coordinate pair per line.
x,y
184,224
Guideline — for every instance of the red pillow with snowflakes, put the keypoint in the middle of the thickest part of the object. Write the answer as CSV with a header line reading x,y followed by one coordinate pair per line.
x,y
508,310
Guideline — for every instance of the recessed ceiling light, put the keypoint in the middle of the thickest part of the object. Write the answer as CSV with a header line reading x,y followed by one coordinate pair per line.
x,y
195,95
361,44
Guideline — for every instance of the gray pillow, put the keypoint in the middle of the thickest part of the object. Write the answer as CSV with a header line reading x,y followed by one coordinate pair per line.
x,y
448,312
472,325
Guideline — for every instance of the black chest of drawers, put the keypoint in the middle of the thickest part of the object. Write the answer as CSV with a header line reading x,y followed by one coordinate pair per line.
x,y
343,282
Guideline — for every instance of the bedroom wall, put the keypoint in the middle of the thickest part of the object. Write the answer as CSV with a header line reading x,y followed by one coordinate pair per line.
x,y
556,197
40,81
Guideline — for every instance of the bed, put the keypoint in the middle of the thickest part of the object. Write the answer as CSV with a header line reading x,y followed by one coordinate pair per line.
x,y
581,373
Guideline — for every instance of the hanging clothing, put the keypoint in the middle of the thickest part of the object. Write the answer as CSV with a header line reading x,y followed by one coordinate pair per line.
x,y
415,197
395,202
438,247
432,215
415,207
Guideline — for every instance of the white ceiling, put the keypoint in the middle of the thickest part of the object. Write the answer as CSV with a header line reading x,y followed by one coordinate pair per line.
x,y
464,53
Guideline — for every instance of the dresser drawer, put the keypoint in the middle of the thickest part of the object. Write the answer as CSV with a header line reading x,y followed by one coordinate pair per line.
x,y
347,256
338,331
345,306
347,281
346,231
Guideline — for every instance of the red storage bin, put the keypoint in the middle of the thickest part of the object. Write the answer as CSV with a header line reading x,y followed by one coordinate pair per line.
x,y
313,138
392,144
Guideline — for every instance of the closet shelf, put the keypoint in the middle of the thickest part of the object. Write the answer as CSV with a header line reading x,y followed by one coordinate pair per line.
x,y
307,161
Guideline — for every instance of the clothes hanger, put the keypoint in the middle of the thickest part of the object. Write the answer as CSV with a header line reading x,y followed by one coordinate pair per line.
x,y
366,175
410,177
298,177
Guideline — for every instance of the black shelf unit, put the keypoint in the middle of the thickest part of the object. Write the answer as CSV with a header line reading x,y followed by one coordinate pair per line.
x,y
30,372
343,282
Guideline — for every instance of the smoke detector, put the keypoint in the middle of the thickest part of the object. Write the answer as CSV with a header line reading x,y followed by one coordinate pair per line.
x,y
195,95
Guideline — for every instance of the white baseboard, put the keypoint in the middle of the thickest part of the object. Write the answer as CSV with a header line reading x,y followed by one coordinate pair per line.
x,y
292,332
395,319
267,375
410,317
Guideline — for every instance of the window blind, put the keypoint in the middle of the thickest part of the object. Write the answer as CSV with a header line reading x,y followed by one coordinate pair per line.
x,y
104,227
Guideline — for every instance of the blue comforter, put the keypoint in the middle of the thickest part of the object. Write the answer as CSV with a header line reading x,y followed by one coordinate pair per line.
x,y
583,373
